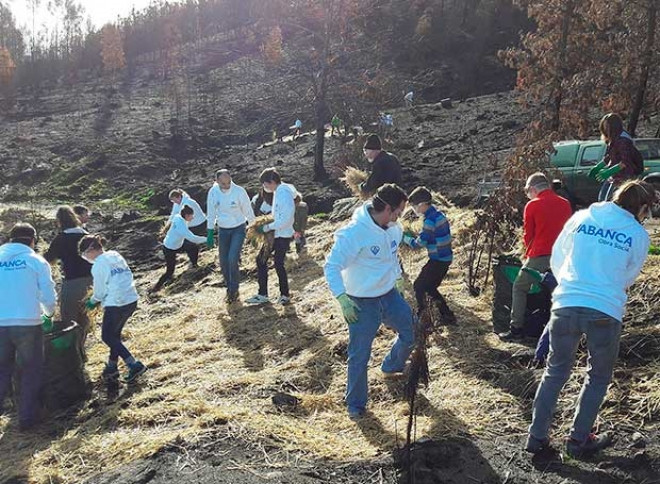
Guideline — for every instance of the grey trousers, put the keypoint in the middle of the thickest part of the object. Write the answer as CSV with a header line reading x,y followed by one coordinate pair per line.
x,y
567,325
521,288
72,304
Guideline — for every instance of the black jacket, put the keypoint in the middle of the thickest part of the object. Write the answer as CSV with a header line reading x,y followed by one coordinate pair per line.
x,y
65,248
386,169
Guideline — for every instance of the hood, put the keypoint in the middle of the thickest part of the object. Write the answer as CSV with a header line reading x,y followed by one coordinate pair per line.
x,y
362,216
289,188
612,217
216,186
11,250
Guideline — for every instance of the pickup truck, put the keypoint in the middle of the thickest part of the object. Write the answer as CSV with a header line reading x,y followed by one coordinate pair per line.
x,y
574,159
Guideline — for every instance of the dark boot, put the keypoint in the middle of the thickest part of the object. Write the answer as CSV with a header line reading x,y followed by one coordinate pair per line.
x,y
447,316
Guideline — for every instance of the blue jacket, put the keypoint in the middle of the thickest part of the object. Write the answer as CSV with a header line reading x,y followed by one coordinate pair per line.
x,y
435,236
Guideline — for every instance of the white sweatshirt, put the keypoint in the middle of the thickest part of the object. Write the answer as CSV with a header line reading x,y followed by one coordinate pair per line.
x,y
198,214
363,261
228,209
113,280
26,286
284,211
597,255
178,232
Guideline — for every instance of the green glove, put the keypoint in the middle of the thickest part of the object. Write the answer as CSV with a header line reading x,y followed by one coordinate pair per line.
x,y
408,240
349,308
210,233
654,250
46,323
262,229
596,169
605,174
536,275
91,304
399,285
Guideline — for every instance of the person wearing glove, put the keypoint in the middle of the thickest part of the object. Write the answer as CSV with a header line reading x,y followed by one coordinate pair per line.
x,y
436,238
180,199
27,300
593,173
596,257
622,159
179,238
543,219
114,289
284,210
229,209
361,271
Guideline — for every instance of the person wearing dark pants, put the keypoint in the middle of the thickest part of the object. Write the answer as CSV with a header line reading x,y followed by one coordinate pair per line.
x,y
179,238
597,256
27,299
180,199
114,290
230,210
284,208
436,238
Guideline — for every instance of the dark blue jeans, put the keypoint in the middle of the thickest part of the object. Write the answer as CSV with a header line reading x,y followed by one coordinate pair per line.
x,y
230,243
114,319
22,348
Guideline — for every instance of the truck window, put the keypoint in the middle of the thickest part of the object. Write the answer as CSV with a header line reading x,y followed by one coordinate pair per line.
x,y
592,155
649,148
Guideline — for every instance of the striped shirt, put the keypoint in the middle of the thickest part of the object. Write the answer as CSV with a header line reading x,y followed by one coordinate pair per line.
x,y
435,236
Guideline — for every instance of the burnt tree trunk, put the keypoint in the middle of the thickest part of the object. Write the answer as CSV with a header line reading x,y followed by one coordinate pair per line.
x,y
647,62
560,74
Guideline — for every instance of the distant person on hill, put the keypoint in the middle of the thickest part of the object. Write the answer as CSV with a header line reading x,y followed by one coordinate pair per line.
x,y
83,213
436,238
598,255
622,160
77,272
177,239
229,208
385,166
179,199
296,128
543,219
335,124
27,299
284,210
408,99
363,273
114,290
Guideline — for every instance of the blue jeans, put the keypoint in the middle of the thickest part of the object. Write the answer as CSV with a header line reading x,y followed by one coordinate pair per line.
x,y
230,243
114,319
22,347
391,310
567,325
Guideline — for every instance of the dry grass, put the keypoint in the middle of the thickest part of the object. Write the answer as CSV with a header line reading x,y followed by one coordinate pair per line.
x,y
213,369
353,177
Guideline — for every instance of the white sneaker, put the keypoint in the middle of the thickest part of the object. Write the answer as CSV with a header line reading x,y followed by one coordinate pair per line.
x,y
258,299
284,300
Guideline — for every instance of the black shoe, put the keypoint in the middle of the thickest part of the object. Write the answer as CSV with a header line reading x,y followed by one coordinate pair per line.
x,y
534,445
232,297
593,444
110,374
514,334
134,371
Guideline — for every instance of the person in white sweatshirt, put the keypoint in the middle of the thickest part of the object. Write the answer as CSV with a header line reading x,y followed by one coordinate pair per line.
x,y
177,239
364,274
597,256
114,289
229,209
180,199
27,298
284,209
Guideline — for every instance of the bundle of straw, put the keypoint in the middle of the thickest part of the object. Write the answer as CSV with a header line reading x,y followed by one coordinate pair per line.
x,y
353,177
253,234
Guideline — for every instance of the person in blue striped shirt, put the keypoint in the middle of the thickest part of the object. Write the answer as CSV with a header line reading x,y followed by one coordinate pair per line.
x,y
436,238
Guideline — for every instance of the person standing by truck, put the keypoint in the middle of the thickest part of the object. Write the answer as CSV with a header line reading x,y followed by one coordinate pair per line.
x,y
543,219
622,160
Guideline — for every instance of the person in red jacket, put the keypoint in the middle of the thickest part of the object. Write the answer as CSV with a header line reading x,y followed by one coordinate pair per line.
x,y
544,218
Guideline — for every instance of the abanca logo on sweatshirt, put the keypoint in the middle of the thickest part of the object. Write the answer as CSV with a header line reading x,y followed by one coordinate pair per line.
x,y
13,264
619,240
118,270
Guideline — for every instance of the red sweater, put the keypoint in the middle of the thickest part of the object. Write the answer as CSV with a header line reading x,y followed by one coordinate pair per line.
x,y
543,220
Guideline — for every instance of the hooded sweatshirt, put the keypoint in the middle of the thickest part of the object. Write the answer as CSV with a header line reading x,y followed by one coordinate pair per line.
x,y
364,259
598,254
113,280
228,209
198,214
65,248
284,211
26,286
178,232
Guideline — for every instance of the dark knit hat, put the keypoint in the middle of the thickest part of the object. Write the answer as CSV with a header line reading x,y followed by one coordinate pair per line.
x,y
373,143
